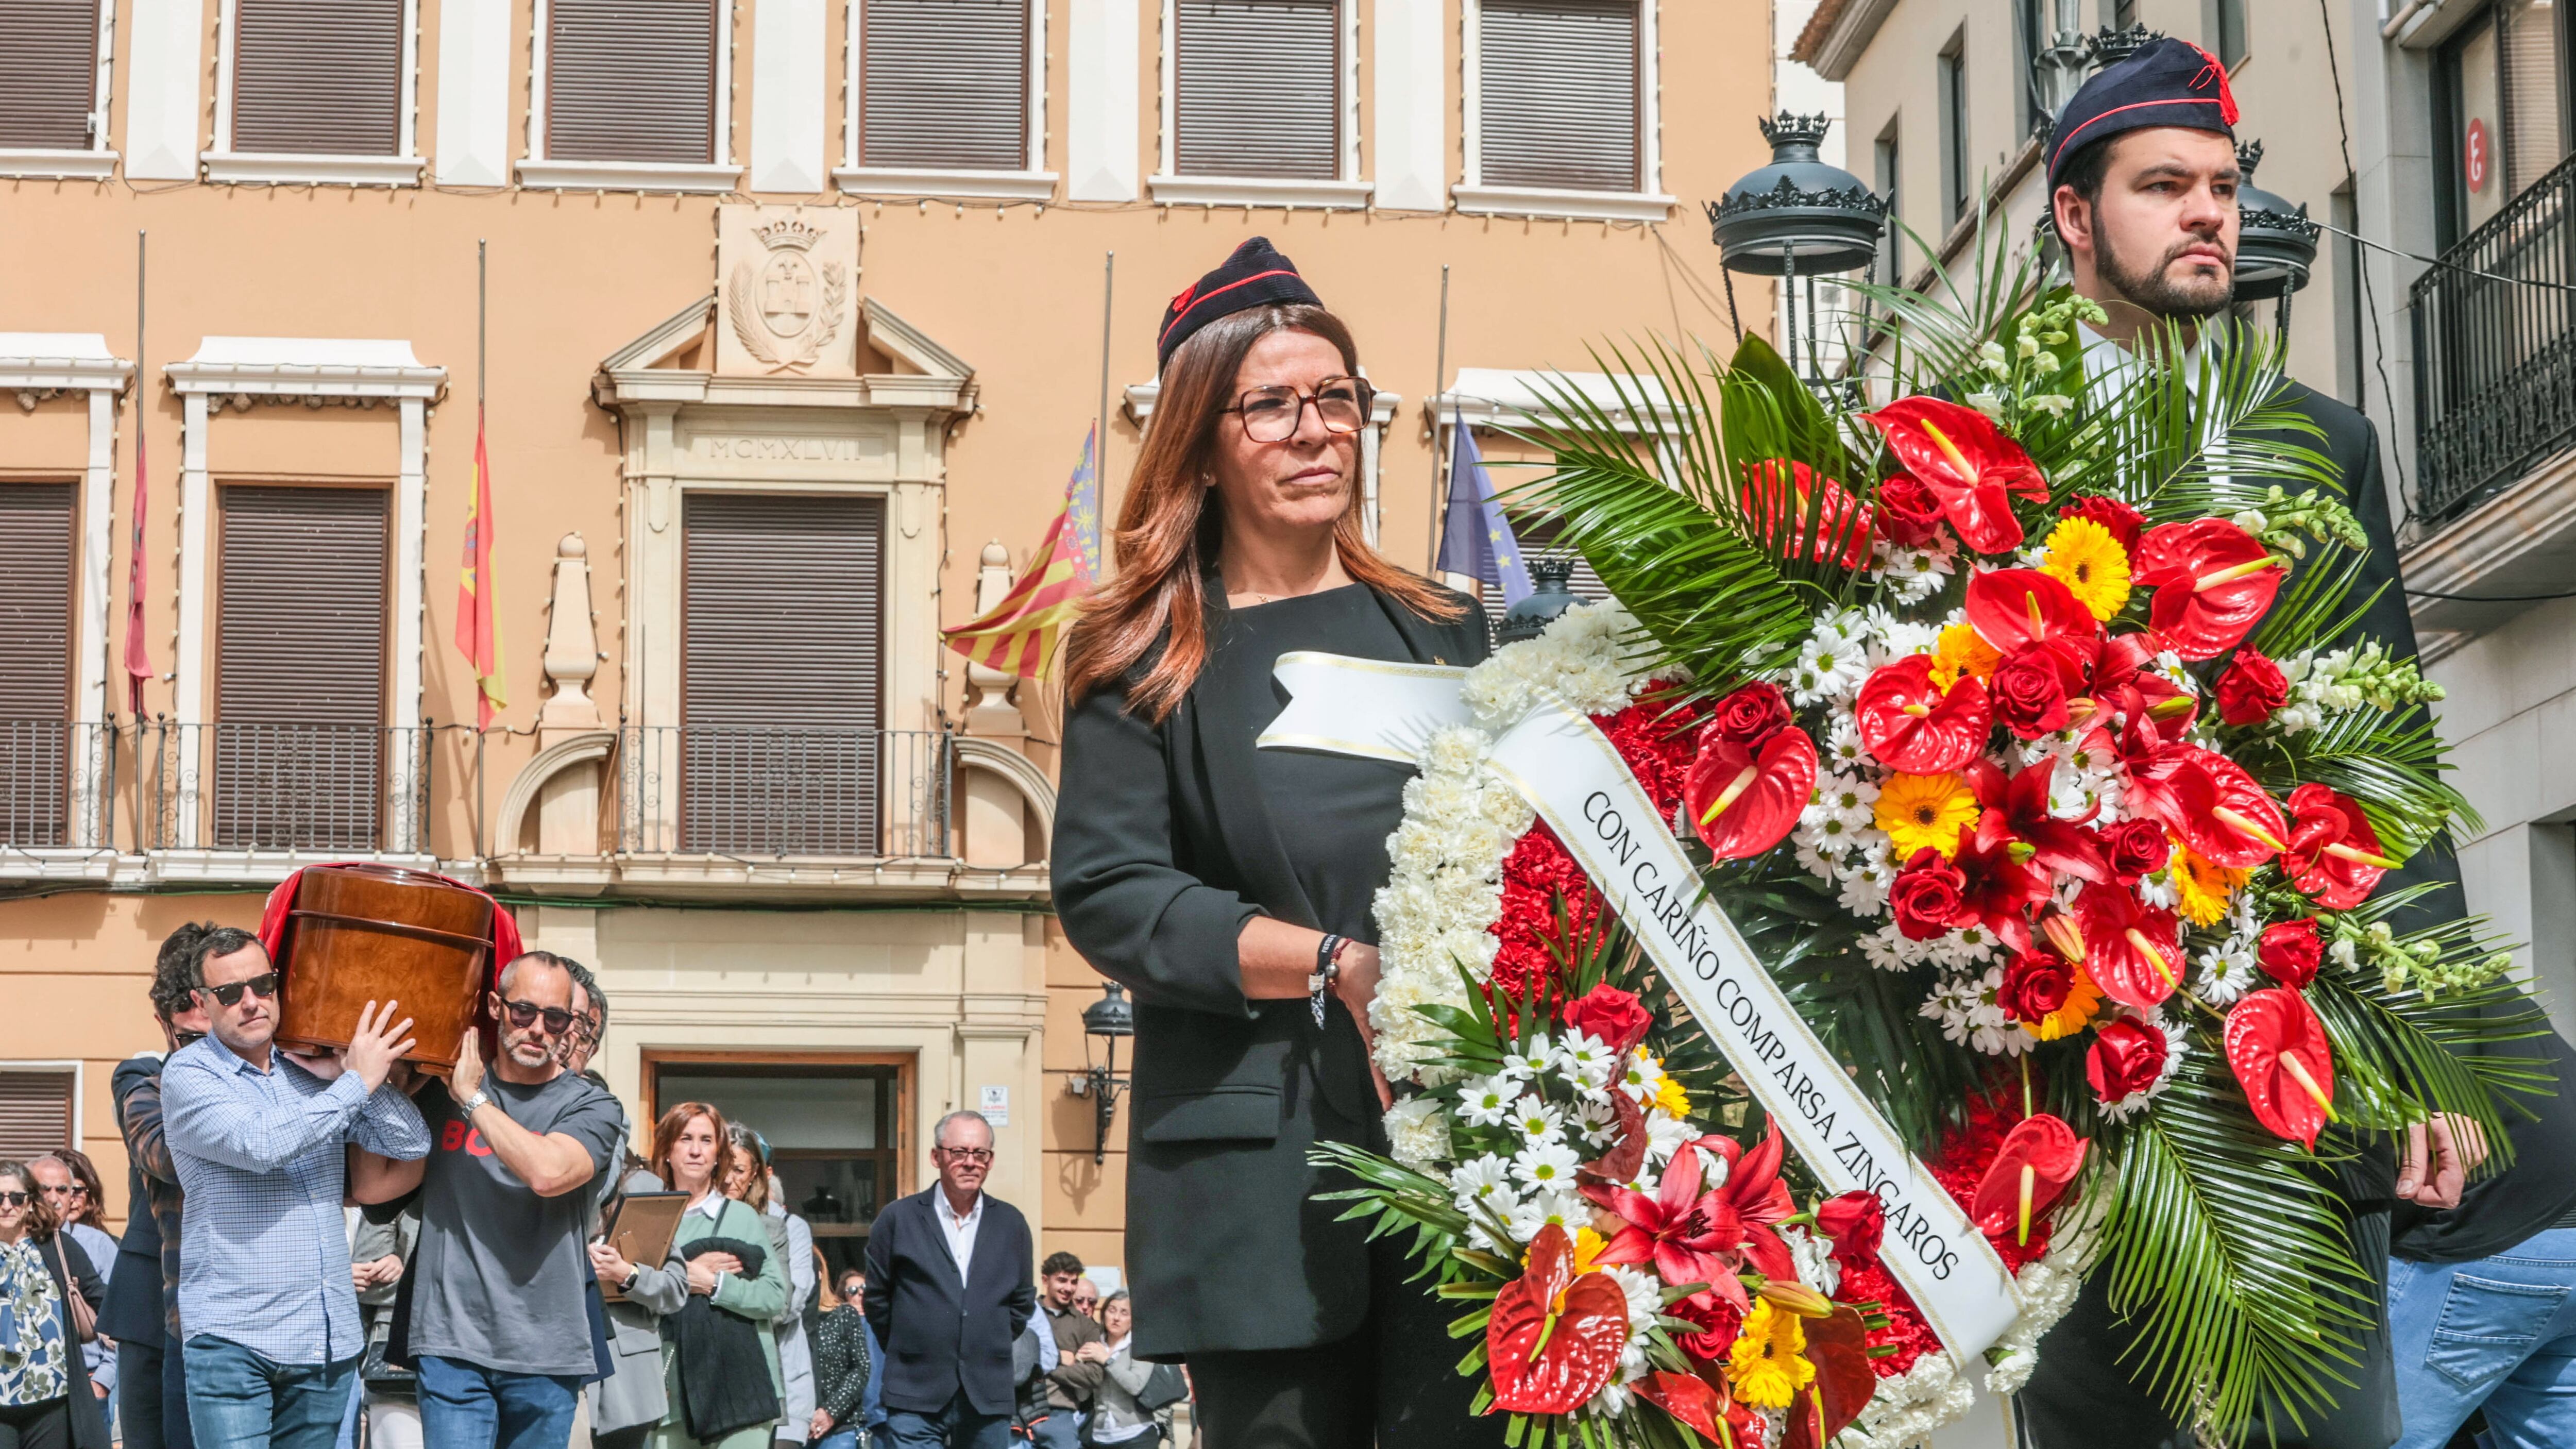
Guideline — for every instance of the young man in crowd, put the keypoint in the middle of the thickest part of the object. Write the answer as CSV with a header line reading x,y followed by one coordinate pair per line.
x,y
1070,1384
949,1289
500,1324
260,1139
142,1309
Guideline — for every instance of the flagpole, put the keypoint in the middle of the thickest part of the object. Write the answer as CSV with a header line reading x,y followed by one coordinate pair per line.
x,y
1100,449
1439,454
482,585
134,562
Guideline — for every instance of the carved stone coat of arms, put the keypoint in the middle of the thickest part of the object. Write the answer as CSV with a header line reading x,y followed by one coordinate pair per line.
x,y
785,291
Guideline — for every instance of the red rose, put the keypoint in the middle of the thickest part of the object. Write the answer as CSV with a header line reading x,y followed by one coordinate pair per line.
x,y
1908,510
1609,1014
2251,689
2035,984
1751,715
2138,848
2127,1058
2028,694
2290,951
2125,523
1855,1221
1928,897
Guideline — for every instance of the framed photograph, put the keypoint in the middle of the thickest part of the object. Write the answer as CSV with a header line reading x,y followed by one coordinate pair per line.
x,y
641,1230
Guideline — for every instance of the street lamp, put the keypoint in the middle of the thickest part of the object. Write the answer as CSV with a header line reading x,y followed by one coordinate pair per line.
x,y
1104,1021
2276,244
1548,598
1797,217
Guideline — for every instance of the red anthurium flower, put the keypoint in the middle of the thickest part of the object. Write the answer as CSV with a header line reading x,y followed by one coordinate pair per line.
x,y
2278,1049
2334,855
1689,1235
1686,1397
2040,1156
2001,886
2060,847
1744,803
2132,950
1785,515
2213,580
2209,800
1554,1338
1967,462
1910,724
2012,607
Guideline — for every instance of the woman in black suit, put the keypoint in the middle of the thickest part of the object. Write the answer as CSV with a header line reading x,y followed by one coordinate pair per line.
x,y
1229,888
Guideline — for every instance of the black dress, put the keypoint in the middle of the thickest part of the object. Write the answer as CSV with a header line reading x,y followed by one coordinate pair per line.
x,y
1168,839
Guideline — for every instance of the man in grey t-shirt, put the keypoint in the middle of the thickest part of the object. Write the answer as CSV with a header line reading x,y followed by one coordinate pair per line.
x,y
500,1328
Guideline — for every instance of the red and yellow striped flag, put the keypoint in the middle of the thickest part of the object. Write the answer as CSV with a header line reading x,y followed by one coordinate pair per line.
x,y
1019,634
476,633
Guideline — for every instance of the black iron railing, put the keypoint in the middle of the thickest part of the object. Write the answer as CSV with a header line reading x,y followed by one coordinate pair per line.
x,y
757,791
2495,377
284,787
53,775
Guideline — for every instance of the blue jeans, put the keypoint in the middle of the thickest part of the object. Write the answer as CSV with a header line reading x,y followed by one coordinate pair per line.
x,y
956,1426
467,1406
1060,1429
2500,1333
240,1400
839,1439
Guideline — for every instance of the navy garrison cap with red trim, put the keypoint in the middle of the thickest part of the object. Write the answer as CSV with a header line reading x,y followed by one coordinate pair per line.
x,y
2168,83
1255,276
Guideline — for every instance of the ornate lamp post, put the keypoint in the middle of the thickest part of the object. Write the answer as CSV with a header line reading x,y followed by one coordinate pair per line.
x,y
2276,244
1104,1021
1549,597
1797,217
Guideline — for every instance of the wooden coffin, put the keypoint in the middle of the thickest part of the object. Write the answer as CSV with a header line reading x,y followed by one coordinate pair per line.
x,y
363,932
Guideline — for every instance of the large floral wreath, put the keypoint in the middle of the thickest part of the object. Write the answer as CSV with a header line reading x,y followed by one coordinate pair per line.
x,y
2040,762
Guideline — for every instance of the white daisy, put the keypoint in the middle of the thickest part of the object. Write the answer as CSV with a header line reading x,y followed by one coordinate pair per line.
x,y
1842,748
1951,1002
1526,1061
1597,1122
1487,1179
2226,972
1487,1101
1585,1060
1536,1121
1546,1168
1641,1077
1667,1134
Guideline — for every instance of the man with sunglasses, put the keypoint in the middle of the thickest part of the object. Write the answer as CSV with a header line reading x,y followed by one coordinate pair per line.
x,y
500,1325
268,1145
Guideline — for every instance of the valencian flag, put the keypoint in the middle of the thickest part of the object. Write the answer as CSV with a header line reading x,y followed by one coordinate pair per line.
x,y
1478,541
476,634
1018,635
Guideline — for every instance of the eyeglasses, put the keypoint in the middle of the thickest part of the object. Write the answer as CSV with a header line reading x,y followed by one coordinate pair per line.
x,y
968,1154
524,1014
264,986
1273,414
71,1190
14,1199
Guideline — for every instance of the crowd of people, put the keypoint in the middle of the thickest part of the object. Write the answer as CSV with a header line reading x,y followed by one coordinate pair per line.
x,y
328,1250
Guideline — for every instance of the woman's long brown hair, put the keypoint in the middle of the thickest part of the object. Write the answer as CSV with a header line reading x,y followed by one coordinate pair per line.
x,y
1168,532
666,1135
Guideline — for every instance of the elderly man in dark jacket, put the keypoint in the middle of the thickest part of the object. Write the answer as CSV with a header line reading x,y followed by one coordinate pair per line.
x,y
950,1288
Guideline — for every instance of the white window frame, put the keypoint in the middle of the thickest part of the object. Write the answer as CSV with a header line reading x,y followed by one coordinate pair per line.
x,y
224,164
80,1086
1032,182
1347,191
97,161
720,178
1474,197
1140,398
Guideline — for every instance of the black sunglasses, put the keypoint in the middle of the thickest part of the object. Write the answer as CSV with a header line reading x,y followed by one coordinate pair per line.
x,y
14,1199
524,1014
262,985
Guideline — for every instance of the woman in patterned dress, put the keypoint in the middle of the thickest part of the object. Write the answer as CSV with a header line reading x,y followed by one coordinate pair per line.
x,y
45,1398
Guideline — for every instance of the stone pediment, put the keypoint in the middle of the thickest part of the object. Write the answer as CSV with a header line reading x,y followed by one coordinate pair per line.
x,y
669,363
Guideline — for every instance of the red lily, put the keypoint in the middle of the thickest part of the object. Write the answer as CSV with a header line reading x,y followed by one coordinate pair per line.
x,y
1689,1235
2334,855
2040,1156
1743,803
2212,803
1785,517
1555,1337
2132,950
1760,1199
1967,462
2012,607
2001,889
1910,724
2061,847
2279,1052
2213,581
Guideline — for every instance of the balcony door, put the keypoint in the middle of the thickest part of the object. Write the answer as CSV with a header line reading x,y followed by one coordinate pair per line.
x,y
781,748
36,551
299,743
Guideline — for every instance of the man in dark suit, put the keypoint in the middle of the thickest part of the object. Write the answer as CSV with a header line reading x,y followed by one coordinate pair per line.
x,y
951,1285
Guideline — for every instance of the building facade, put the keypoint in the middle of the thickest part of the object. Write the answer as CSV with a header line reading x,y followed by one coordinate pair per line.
x,y
798,316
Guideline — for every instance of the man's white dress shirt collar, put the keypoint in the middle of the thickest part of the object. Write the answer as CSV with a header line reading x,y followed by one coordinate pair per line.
x,y
960,1231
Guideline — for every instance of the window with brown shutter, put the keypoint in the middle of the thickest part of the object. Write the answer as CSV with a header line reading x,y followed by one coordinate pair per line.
x,y
36,561
317,77
35,1112
782,606
48,74
631,80
300,615
1557,94
944,84
1256,88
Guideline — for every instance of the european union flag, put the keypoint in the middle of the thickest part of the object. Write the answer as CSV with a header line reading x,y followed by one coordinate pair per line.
x,y
1478,540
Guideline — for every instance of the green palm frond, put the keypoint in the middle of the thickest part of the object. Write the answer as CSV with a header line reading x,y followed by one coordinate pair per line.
x,y
2390,763
2226,1250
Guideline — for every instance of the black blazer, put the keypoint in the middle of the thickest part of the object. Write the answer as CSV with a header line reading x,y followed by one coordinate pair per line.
x,y
940,1336
1163,849
134,1311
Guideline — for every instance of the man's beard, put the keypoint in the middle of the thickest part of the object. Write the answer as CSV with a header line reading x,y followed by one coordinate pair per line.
x,y
2153,289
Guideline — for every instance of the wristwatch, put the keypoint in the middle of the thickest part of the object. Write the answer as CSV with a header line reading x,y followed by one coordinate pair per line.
x,y
467,1107
1328,969
632,1273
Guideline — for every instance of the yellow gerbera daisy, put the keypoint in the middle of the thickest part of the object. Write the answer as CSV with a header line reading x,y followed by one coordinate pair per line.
x,y
2206,886
1961,652
1670,1096
2084,556
1768,1364
1921,810
2083,1003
